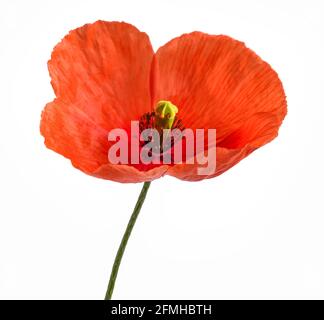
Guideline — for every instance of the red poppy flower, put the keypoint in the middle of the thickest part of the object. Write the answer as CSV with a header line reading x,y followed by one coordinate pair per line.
x,y
106,74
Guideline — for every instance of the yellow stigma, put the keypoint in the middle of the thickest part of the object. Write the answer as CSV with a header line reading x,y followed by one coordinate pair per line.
x,y
165,113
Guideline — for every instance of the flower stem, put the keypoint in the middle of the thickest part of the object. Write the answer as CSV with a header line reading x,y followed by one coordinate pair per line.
x,y
124,241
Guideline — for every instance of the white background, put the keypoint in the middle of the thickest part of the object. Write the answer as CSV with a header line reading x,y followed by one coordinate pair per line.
x,y
255,232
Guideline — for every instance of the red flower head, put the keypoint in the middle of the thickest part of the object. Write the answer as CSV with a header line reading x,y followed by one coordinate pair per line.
x,y
106,75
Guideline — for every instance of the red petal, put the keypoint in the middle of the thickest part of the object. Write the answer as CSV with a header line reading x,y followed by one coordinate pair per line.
x,y
218,83
226,158
70,132
104,69
129,174
101,76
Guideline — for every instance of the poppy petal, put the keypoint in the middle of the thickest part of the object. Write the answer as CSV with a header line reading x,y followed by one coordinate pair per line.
x,y
226,158
218,83
104,69
70,132
101,77
129,174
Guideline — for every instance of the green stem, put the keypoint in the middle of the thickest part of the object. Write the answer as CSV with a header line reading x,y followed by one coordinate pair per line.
x,y
124,241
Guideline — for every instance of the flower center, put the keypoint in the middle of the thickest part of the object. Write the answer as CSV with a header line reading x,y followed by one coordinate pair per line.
x,y
165,114
163,119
